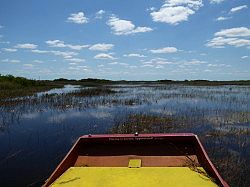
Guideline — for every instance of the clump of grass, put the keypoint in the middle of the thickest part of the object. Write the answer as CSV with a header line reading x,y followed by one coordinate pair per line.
x,y
143,123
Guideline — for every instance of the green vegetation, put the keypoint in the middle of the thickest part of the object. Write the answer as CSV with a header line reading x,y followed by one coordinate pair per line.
x,y
206,82
96,82
11,86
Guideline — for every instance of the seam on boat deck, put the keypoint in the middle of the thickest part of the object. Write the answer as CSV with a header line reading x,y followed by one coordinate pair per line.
x,y
146,161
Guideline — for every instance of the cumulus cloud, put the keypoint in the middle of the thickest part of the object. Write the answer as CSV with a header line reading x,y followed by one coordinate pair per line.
x,y
9,50
101,47
194,62
234,37
75,60
220,42
222,18
147,65
38,61
104,56
175,11
164,50
11,61
99,14
219,65
134,55
28,65
216,1
61,44
113,63
77,18
125,27
39,51
244,57
26,46
64,54
234,32
238,8
156,62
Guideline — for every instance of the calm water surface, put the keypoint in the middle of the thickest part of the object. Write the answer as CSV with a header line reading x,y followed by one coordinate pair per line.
x,y
36,132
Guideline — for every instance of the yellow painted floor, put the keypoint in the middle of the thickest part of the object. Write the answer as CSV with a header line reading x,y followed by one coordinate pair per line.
x,y
131,177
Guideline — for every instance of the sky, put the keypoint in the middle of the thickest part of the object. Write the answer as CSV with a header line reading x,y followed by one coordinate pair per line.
x,y
131,40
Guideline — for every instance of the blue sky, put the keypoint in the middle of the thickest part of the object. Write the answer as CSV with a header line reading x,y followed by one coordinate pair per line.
x,y
132,40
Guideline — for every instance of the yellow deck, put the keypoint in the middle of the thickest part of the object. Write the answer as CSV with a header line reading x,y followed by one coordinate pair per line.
x,y
123,176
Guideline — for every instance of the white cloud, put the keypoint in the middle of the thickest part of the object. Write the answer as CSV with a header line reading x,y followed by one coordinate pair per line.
x,y
164,50
234,32
113,63
124,64
159,67
216,1
78,18
99,14
244,57
26,46
147,65
151,9
9,50
134,55
61,44
175,11
38,61
28,65
222,18
75,60
219,65
64,54
194,62
124,27
220,42
101,47
104,56
230,37
238,8
39,51
11,61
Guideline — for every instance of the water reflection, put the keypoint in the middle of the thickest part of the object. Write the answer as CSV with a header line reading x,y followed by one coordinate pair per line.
x,y
37,131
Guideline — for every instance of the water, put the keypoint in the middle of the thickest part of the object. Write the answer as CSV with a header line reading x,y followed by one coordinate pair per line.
x,y
36,132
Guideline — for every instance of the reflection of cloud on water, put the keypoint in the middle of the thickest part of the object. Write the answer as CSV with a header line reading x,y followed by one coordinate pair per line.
x,y
30,115
62,117
163,112
100,115
233,118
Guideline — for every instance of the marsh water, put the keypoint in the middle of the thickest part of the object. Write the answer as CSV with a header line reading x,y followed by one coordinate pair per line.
x,y
37,131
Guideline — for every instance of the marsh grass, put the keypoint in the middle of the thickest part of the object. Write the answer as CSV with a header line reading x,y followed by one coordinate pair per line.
x,y
89,92
142,123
